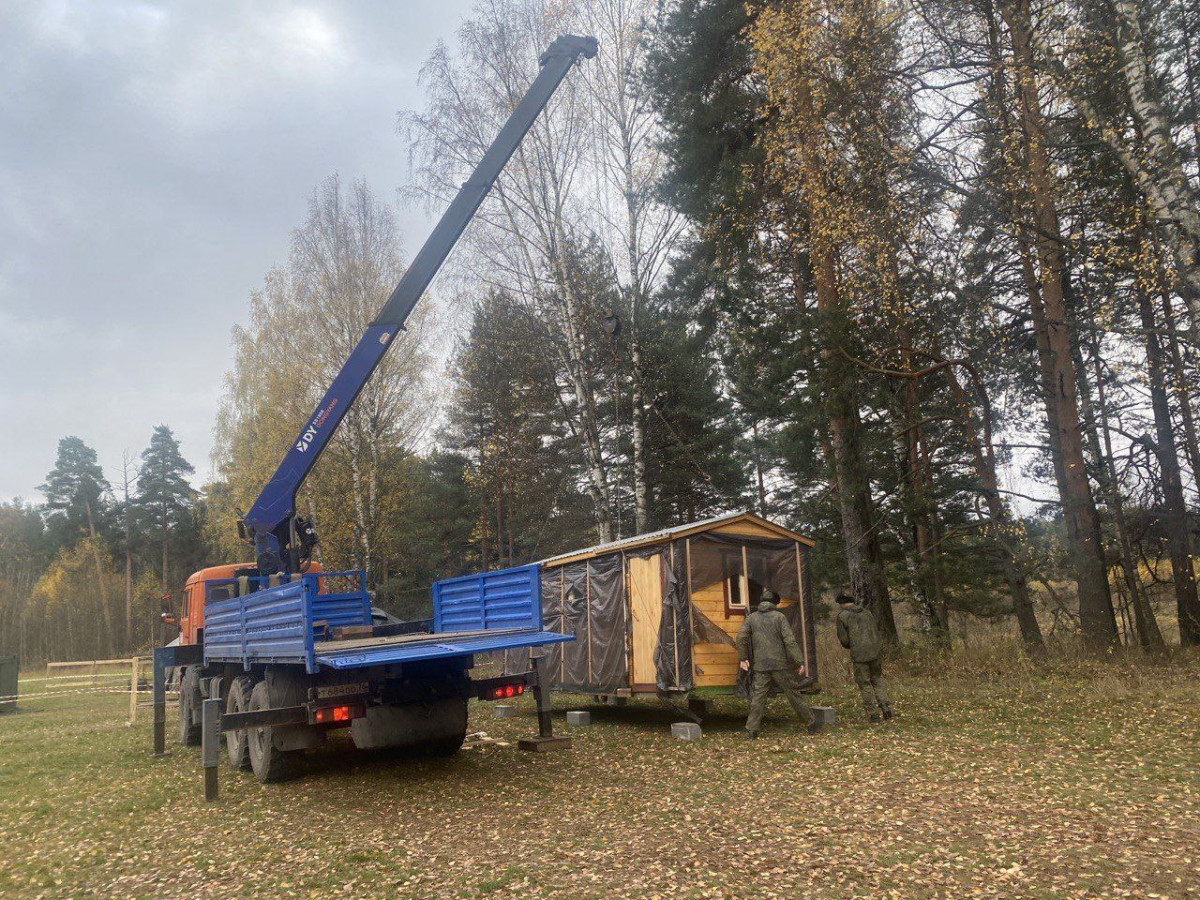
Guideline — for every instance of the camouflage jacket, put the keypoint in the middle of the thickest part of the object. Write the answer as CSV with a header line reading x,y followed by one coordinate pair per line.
x,y
858,633
767,638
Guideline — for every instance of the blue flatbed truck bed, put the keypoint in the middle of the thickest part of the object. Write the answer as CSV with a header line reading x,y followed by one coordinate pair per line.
x,y
280,666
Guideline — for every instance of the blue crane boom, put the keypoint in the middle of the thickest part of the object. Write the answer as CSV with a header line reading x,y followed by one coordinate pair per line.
x,y
282,540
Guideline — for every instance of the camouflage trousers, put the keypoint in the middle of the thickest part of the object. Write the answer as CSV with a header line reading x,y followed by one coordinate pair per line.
x,y
869,678
787,681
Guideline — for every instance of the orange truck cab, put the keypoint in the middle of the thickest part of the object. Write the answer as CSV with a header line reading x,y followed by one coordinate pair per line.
x,y
196,591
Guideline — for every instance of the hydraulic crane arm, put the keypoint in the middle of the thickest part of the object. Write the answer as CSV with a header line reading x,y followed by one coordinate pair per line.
x,y
281,540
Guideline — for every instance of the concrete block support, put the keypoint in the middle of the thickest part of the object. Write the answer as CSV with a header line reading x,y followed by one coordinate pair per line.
x,y
579,717
504,711
685,731
825,715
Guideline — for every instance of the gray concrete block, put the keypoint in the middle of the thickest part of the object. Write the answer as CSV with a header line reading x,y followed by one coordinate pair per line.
x,y
579,717
824,714
685,731
504,711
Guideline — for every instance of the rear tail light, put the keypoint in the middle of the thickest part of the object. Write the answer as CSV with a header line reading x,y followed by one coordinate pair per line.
x,y
331,715
505,691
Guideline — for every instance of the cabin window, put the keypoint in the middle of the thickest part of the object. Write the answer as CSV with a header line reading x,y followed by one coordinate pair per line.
x,y
741,592
219,592
734,582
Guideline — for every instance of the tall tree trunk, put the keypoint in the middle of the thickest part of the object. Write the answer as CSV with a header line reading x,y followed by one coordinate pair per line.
x,y
101,583
1158,171
760,484
484,555
128,516
863,557
1190,76
1174,199
1007,532
588,429
641,495
1148,633
1096,614
1180,380
1178,539
921,511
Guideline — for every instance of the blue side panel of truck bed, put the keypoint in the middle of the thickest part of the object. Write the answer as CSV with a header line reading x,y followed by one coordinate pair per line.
x,y
271,625
505,598
282,624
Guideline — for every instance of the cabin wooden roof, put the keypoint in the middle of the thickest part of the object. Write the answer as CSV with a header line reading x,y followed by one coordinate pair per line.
x,y
664,535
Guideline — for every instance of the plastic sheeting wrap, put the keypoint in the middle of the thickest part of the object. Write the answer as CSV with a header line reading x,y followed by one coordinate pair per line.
x,y
770,563
586,599
608,663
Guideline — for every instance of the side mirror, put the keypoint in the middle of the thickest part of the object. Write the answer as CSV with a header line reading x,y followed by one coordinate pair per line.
x,y
168,614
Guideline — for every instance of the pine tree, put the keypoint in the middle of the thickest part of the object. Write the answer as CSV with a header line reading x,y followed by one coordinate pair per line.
x,y
165,499
77,495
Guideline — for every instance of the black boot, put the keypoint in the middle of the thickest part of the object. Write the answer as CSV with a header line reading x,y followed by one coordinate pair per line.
x,y
751,735
875,720
887,714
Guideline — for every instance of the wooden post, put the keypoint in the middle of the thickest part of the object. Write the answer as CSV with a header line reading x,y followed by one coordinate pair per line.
x,y
800,603
133,689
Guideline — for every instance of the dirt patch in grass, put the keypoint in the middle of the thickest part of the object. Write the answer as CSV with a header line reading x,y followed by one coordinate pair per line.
x,y
1033,784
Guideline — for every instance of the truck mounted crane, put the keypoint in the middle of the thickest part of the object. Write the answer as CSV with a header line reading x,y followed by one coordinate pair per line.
x,y
275,653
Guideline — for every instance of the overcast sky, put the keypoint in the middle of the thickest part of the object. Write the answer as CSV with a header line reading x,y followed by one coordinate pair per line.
x,y
154,157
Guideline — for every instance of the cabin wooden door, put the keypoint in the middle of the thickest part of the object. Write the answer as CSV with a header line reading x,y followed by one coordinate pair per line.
x,y
646,604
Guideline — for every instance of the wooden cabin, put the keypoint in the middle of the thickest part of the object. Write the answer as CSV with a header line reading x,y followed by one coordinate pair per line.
x,y
657,614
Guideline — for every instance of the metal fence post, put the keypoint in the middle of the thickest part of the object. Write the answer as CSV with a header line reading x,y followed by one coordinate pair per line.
x,y
210,745
160,700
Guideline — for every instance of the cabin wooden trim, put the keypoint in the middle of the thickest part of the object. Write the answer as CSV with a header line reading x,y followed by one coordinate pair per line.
x,y
720,525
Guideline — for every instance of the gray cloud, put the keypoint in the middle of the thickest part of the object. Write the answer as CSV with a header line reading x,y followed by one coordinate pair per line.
x,y
154,157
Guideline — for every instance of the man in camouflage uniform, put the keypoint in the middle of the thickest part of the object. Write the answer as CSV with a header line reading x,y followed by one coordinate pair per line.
x,y
858,633
767,639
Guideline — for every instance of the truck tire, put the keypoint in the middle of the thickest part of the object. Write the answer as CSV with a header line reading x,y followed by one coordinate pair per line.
x,y
189,707
268,761
237,743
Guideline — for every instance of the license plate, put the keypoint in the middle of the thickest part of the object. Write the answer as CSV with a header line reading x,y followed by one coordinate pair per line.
x,y
324,692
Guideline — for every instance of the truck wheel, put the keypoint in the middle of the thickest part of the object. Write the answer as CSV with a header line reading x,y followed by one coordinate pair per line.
x,y
237,743
268,762
189,706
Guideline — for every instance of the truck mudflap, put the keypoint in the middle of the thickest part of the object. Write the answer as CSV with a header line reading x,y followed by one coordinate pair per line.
x,y
440,726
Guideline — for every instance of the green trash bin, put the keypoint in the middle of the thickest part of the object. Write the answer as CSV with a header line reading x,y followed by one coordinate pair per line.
x,y
8,683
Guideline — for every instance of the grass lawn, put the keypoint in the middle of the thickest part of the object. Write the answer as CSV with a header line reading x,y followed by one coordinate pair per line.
x,y
1039,783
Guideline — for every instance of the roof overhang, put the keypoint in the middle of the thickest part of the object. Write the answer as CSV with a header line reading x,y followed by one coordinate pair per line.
x,y
669,534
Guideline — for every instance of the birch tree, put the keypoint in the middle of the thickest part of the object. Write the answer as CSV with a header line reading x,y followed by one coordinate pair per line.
x,y
305,321
630,164
528,235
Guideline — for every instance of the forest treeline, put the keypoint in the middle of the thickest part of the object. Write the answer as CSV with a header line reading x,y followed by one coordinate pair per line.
x,y
919,278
